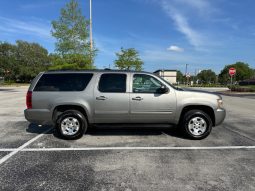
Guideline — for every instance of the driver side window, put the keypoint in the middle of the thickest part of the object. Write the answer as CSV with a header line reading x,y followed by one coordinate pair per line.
x,y
143,83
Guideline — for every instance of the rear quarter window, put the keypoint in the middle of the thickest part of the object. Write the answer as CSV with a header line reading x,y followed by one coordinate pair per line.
x,y
63,82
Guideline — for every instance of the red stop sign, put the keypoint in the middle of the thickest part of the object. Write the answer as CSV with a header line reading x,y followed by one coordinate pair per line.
x,y
232,71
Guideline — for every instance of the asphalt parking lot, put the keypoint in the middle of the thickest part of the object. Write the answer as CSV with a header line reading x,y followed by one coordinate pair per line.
x,y
115,158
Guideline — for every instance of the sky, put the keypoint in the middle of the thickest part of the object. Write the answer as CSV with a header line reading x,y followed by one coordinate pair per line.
x,y
168,34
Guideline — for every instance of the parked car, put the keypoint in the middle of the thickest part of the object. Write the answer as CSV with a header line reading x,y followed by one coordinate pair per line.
x,y
73,100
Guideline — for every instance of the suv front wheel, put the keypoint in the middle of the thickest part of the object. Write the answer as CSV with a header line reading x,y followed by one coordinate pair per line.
x,y
71,125
196,124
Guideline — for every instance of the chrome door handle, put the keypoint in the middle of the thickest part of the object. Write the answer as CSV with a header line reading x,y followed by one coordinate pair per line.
x,y
101,98
137,98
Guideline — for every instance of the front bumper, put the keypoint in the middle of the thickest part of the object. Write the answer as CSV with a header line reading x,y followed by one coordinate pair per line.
x,y
220,115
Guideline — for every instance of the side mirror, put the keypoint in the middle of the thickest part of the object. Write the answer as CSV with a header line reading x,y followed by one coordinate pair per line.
x,y
162,90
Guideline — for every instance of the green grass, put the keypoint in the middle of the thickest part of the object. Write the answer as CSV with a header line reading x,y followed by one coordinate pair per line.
x,y
12,84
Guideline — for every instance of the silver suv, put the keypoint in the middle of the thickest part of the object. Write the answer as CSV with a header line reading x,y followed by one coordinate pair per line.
x,y
73,100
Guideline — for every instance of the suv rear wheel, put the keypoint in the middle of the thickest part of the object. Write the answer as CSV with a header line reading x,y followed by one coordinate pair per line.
x,y
71,125
196,124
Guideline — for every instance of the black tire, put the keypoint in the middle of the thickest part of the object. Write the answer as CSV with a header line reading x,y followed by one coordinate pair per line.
x,y
78,120
203,128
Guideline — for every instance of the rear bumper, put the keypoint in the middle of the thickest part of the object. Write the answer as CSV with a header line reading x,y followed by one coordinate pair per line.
x,y
38,116
220,115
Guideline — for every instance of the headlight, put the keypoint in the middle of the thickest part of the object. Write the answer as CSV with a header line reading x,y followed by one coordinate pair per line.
x,y
220,103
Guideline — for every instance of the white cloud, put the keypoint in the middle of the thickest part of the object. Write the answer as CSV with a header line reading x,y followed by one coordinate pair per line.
x,y
182,24
175,48
31,27
158,56
199,5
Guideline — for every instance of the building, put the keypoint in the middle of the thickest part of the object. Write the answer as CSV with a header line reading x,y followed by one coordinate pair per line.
x,y
168,75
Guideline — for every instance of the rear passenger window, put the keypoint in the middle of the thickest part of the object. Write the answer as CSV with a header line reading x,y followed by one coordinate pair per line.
x,y
112,83
63,82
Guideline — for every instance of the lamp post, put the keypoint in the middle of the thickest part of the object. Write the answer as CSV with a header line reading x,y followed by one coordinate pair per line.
x,y
186,74
186,70
91,37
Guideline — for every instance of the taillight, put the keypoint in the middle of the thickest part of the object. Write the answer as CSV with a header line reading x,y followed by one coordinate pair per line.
x,y
29,100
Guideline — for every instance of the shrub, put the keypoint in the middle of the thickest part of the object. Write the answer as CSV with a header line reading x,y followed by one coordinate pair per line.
x,y
242,88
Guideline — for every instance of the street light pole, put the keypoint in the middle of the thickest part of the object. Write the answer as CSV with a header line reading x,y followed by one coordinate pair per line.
x,y
186,73
91,37
186,70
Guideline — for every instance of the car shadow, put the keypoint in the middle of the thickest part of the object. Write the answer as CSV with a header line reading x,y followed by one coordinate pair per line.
x,y
35,129
109,130
135,131
7,90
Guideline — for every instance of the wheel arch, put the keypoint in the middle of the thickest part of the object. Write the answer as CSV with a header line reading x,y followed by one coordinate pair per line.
x,y
59,109
207,109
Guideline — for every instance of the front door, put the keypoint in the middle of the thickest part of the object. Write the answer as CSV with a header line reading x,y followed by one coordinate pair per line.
x,y
111,99
147,105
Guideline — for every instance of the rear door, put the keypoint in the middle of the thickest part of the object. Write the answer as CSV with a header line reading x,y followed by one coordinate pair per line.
x,y
111,98
148,106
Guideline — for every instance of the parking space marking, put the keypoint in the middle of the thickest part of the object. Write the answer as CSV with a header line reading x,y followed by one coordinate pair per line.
x,y
163,133
15,151
7,150
139,148
129,148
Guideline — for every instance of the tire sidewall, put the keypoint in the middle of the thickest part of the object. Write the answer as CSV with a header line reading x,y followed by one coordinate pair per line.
x,y
82,121
195,113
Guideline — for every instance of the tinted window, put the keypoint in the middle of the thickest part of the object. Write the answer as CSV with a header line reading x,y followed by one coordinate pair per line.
x,y
112,83
63,82
145,84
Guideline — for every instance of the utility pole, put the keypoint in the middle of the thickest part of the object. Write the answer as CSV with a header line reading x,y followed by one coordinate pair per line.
x,y
186,73
91,37
186,70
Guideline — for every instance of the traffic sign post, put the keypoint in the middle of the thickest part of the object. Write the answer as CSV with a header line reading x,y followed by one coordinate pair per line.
x,y
232,72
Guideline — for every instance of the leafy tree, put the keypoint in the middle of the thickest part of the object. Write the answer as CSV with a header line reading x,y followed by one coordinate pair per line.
x,y
7,60
71,33
70,61
180,77
31,58
22,61
243,71
128,59
207,76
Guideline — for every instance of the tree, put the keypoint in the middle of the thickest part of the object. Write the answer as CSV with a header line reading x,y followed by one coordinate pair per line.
x,y
22,61
180,77
7,60
31,59
128,59
243,71
71,33
207,76
69,61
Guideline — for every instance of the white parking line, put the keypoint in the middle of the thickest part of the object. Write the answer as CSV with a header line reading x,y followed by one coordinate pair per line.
x,y
15,151
7,150
163,133
131,148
